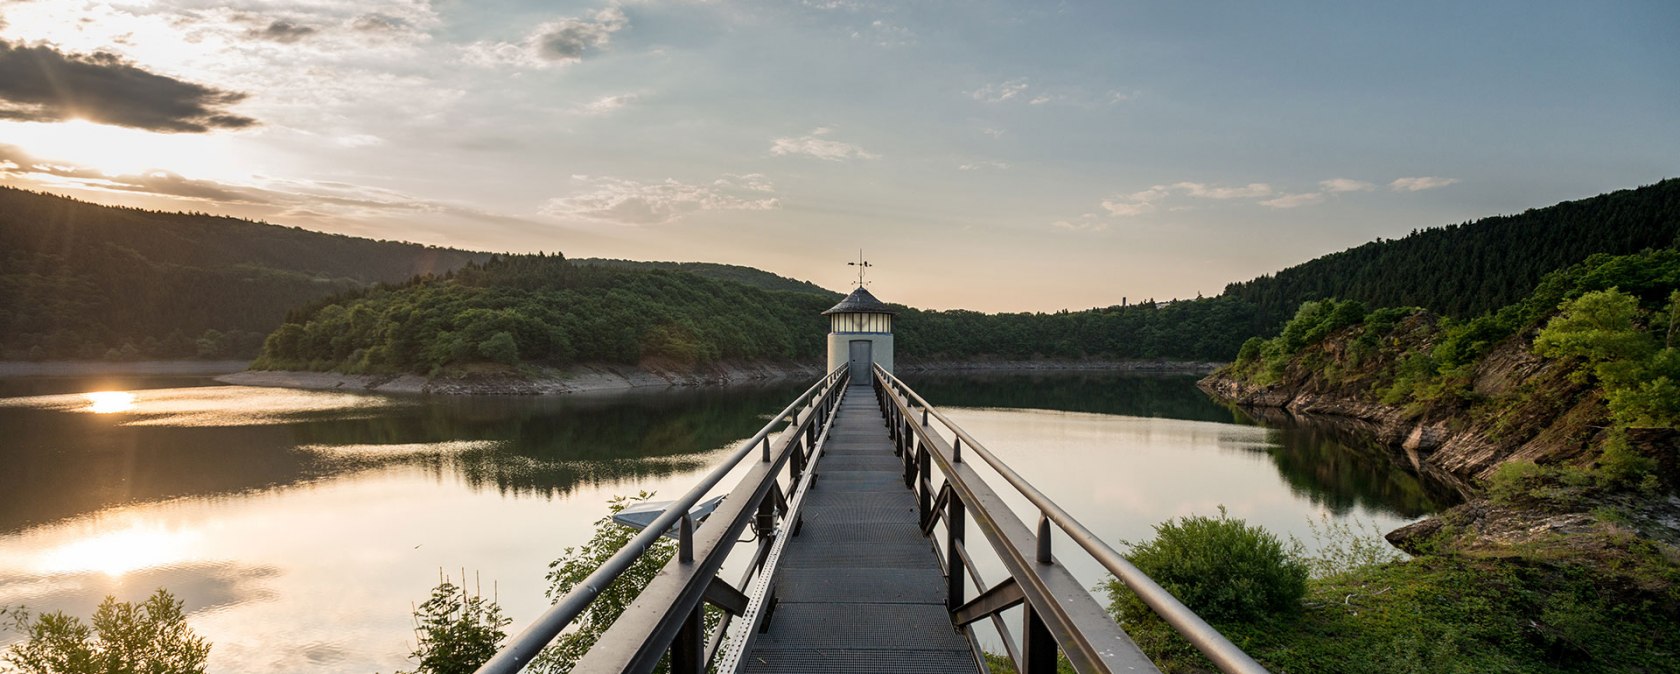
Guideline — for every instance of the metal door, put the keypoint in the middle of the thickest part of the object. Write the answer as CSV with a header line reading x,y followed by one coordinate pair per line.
x,y
861,358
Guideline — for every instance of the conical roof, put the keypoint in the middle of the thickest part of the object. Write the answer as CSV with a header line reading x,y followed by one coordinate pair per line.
x,y
860,302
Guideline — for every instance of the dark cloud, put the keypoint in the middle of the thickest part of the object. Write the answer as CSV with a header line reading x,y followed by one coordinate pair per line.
x,y
284,31
568,39
41,84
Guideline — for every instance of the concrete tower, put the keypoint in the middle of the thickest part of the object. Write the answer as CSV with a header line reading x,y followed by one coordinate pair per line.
x,y
860,333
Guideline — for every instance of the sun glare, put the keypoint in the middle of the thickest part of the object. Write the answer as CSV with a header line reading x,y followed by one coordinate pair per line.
x,y
116,150
114,553
110,402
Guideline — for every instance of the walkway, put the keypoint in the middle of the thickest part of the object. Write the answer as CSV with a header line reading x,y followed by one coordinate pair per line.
x,y
859,588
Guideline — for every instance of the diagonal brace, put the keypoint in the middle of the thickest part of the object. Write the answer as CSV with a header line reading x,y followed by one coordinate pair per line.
x,y
1001,597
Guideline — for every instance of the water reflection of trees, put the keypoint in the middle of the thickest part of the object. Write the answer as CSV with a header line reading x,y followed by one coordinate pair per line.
x,y
65,464
1130,394
1338,466
549,446
1331,464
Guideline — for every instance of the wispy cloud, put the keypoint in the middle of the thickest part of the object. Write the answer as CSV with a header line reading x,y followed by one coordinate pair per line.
x,y
816,145
607,104
1336,185
885,34
1205,191
559,42
1000,92
1421,183
1294,200
1144,201
629,202
1088,222
983,164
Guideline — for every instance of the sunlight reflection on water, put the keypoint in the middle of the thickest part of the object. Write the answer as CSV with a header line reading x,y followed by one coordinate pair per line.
x,y
209,405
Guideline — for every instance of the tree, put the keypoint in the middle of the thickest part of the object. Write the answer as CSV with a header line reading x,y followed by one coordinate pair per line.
x,y
151,638
576,565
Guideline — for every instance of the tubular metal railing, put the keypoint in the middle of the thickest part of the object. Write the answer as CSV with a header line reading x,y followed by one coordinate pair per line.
x,y
668,616
1059,612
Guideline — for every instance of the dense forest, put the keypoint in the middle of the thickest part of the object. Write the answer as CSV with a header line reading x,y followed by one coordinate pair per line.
x,y
79,280
550,311
1472,268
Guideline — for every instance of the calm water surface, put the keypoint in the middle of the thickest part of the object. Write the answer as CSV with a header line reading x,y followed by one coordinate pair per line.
x,y
301,527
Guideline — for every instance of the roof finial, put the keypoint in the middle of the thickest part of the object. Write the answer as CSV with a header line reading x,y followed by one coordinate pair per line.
x,y
863,266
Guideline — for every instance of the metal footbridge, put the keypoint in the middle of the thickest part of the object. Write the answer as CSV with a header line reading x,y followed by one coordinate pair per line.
x,y
852,531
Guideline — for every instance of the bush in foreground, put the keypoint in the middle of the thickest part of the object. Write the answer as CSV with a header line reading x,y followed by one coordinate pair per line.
x,y
152,637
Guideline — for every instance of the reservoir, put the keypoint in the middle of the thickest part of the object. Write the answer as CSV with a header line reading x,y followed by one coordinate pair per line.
x,y
301,527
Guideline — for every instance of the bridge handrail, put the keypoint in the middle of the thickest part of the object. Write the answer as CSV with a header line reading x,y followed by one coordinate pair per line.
x,y
519,650
1224,654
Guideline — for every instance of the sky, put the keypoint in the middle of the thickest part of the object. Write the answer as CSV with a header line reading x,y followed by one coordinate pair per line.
x,y
997,156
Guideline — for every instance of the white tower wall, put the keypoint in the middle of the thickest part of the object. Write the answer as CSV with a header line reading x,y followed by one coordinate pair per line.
x,y
840,348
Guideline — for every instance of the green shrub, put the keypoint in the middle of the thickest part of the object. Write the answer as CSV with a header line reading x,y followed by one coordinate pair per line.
x,y
152,637
1515,481
1221,568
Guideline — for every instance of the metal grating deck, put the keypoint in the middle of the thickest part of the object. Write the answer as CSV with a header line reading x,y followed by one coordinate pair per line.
x,y
860,589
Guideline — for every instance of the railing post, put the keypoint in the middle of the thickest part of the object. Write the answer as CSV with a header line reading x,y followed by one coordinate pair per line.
x,y
688,649
685,539
1044,556
1038,646
910,465
956,449
954,516
924,484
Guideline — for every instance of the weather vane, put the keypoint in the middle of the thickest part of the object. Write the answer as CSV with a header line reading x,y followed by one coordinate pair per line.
x,y
862,265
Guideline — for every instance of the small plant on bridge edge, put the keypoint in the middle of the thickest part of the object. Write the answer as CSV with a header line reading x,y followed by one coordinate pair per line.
x,y
456,632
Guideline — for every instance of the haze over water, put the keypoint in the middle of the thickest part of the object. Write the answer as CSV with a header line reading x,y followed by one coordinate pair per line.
x,y
301,527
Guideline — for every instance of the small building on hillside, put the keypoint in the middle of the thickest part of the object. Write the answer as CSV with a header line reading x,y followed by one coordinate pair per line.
x,y
860,333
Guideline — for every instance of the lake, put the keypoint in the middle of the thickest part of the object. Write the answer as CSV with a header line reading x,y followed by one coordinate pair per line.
x,y
301,527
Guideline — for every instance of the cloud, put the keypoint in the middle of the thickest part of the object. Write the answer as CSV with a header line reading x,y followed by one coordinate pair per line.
x,y
568,39
1294,200
559,42
1138,203
635,203
272,197
821,148
1419,183
1000,92
993,132
1335,185
983,164
283,31
377,23
1088,222
1203,191
607,104
41,84
885,34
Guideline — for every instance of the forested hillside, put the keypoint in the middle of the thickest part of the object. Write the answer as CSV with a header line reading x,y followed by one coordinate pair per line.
x,y
547,310
79,280
1468,269
756,278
